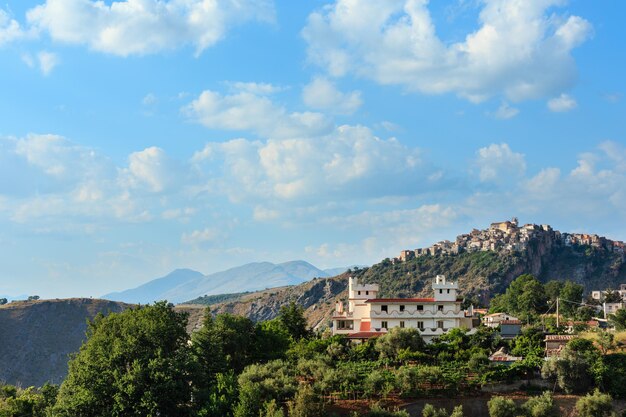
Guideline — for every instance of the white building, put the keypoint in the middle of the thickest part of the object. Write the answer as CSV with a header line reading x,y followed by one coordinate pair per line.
x,y
369,316
599,295
495,319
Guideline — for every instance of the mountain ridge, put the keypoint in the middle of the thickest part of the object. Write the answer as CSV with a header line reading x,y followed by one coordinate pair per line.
x,y
182,285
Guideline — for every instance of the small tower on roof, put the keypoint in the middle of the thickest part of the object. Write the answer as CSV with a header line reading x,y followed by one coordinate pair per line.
x,y
445,290
357,293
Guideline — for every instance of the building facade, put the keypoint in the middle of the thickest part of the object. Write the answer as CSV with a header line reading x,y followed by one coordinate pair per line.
x,y
368,316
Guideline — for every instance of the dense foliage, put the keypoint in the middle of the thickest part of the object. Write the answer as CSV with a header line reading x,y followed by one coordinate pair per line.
x,y
142,362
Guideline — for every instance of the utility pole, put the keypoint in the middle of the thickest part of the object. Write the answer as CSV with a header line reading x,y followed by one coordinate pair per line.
x,y
557,312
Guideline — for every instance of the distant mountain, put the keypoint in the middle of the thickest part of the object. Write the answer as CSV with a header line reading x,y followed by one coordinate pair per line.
x,y
154,290
184,284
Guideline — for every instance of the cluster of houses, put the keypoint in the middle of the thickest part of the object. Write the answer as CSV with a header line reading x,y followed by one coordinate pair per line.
x,y
367,315
508,236
610,307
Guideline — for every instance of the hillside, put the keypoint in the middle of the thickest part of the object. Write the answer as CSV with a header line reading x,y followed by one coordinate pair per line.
x,y
38,336
182,285
484,263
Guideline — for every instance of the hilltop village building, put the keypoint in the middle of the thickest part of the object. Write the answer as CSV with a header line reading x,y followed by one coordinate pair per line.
x,y
509,236
369,316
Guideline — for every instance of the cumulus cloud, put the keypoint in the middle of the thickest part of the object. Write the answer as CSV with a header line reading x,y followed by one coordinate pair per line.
x,y
562,103
521,49
259,89
498,163
245,111
138,27
151,169
10,29
350,162
322,94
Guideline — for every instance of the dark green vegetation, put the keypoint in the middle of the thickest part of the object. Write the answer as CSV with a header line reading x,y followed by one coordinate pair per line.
x,y
484,274
142,362
208,300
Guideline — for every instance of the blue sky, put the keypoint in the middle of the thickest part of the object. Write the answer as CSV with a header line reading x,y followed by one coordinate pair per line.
x,y
141,136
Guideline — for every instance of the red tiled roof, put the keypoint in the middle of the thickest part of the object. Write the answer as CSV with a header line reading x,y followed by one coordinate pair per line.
x,y
400,300
364,335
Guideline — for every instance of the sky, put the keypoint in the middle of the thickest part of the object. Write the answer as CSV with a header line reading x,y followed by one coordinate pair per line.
x,y
141,136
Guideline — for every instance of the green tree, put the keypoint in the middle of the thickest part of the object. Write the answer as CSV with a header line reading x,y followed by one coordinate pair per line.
x,y
553,289
619,319
501,407
272,340
595,405
430,411
292,317
574,368
305,403
525,298
612,296
606,341
237,338
134,363
397,340
541,406
570,293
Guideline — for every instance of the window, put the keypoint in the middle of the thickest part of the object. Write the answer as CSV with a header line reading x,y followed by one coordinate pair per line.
x,y
440,307
440,291
367,293
420,325
448,291
402,325
440,324
359,292
401,309
383,324
384,308
345,325
420,308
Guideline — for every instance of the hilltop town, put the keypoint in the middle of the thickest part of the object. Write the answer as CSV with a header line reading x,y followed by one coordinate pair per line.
x,y
509,237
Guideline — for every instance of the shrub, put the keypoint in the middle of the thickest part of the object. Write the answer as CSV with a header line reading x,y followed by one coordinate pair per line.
x,y
502,407
595,405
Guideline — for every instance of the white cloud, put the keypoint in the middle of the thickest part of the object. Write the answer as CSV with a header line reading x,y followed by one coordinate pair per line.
x,y
322,94
505,111
246,111
149,99
521,49
44,60
562,103
137,27
10,29
200,236
259,89
498,163
47,61
348,163
150,168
